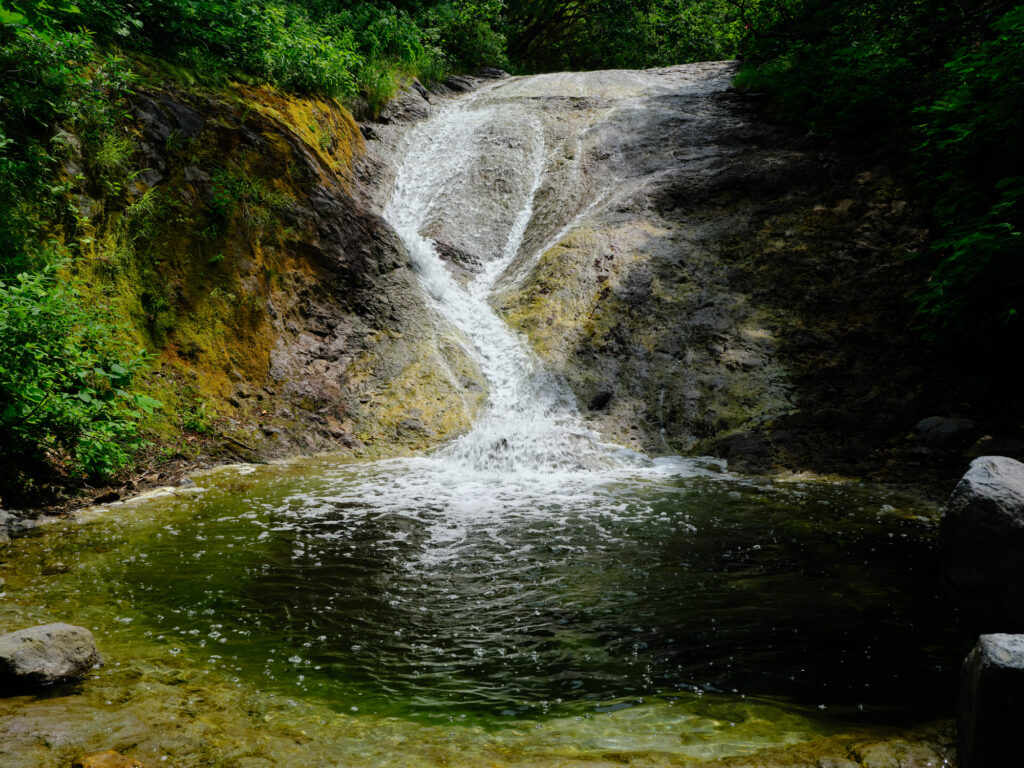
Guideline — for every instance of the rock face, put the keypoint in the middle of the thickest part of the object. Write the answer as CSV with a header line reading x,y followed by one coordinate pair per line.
x,y
282,311
991,706
702,282
981,538
50,653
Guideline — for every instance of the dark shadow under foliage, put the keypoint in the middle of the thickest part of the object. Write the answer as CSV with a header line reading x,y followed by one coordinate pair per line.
x,y
935,90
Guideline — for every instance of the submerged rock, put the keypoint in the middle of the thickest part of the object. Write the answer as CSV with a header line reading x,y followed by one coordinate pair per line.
x,y
981,537
991,706
12,525
50,653
106,759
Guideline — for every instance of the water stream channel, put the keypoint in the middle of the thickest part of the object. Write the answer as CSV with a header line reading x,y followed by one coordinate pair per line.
x,y
528,594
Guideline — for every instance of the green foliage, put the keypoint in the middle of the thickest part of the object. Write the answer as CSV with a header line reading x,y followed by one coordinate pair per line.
x,y
468,33
972,165
67,401
341,47
705,30
594,34
66,381
57,90
274,41
38,14
938,86
849,69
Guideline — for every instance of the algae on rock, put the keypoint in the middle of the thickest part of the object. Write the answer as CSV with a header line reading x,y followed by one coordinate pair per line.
x,y
247,254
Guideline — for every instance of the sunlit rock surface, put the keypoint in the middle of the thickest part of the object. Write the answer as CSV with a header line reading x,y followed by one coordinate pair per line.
x,y
106,759
43,655
612,184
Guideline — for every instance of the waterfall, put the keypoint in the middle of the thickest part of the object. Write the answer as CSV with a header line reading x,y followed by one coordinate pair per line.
x,y
529,422
497,178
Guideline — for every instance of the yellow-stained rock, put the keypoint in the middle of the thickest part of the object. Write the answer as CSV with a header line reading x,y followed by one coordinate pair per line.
x,y
106,759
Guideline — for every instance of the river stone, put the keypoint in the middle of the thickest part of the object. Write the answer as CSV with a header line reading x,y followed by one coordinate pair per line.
x,y
50,653
981,538
991,706
945,429
7,523
106,759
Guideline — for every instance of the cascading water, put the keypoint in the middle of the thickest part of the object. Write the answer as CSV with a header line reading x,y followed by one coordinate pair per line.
x,y
530,423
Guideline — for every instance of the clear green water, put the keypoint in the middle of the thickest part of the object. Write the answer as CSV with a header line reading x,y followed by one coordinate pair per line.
x,y
688,616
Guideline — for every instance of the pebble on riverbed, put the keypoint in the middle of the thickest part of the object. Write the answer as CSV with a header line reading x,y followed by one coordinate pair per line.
x,y
50,653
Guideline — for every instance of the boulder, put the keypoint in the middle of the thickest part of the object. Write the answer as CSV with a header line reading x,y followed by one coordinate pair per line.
x,y
939,431
459,84
745,451
492,73
50,653
8,522
991,705
981,537
13,524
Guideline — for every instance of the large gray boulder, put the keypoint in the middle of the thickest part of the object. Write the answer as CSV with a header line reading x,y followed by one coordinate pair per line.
x,y
991,706
982,543
50,653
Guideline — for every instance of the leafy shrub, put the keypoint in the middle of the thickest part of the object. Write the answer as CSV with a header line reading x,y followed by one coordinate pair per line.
x,y
234,189
273,41
52,81
706,30
938,87
851,69
467,31
65,380
393,48
973,167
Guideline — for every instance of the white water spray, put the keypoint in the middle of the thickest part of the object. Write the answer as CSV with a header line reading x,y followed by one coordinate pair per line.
x,y
530,422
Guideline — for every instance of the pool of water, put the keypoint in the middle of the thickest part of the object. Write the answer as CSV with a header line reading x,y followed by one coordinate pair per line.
x,y
681,612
